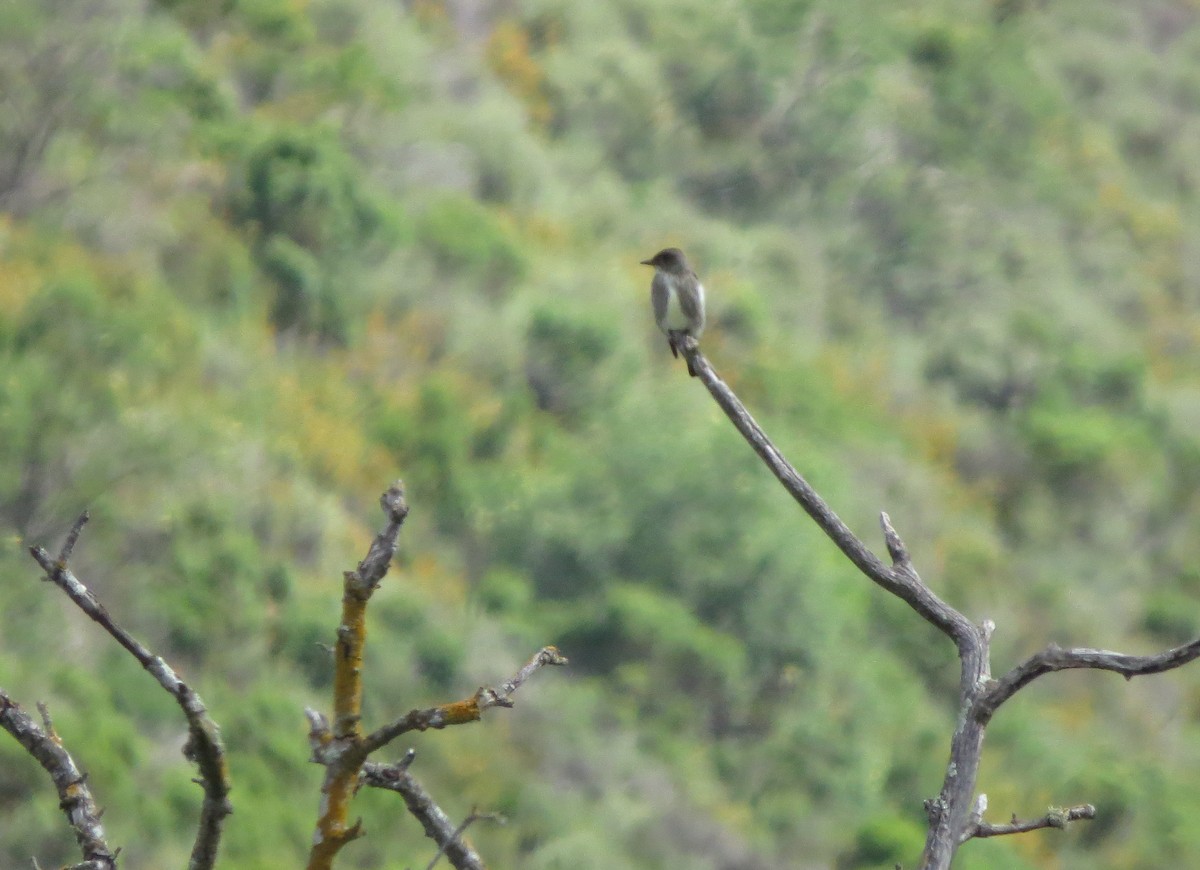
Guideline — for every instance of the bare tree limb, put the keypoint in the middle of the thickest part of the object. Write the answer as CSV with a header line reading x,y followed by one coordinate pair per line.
x,y
1056,817
437,825
341,747
898,579
341,750
951,819
75,798
203,747
1055,658
948,812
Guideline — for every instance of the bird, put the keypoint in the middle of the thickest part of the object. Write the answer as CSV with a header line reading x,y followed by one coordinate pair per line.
x,y
677,297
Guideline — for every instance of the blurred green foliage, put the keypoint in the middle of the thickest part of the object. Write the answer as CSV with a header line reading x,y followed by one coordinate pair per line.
x,y
259,258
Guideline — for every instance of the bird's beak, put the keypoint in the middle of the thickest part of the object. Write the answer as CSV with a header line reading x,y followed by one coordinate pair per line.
x,y
646,262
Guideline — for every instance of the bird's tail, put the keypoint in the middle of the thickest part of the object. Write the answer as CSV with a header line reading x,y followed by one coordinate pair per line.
x,y
672,339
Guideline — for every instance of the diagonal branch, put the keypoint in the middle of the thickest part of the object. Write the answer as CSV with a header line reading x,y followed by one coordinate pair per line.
x,y
203,746
1055,658
895,579
951,820
75,798
437,825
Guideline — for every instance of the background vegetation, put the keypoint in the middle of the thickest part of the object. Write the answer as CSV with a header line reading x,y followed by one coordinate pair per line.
x,y
260,257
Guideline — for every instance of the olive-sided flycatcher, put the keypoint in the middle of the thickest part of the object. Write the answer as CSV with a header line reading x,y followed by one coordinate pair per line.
x,y
678,298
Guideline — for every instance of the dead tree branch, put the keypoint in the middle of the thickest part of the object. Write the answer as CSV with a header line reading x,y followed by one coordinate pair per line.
x,y
203,746
74,796
437,825
1055,658
468,710
473,817
343,748
1056,817
951,819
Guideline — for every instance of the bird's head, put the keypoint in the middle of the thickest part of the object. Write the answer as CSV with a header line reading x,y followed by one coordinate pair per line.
x,y
668,259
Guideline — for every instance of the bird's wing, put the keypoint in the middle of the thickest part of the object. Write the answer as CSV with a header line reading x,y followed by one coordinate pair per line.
x,y
659,296
691,301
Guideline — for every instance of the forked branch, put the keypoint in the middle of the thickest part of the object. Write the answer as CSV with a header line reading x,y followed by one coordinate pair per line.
x,y
951,819
343,748
203,746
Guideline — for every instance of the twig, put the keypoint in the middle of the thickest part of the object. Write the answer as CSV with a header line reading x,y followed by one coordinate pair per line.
x,y
68,547
467,710
456,836
1056,817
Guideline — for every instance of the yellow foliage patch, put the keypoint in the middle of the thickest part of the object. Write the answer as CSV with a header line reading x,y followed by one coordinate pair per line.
x,y
508,54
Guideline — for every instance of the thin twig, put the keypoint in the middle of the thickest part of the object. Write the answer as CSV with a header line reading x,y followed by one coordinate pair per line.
x,y
68,547
467,710
456,836
1056,817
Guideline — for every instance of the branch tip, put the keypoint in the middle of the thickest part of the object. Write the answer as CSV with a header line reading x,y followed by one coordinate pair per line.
x,y
68,546
1055,817
393,502
891,537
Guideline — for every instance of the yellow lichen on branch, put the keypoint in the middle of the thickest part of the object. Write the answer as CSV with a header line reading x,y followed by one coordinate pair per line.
x,y
461,712
348,654
341,777
343,748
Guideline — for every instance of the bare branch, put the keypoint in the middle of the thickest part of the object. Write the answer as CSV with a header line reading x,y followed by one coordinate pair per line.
x,y
948,812
340,749
68,547
467,710
1055,658
475,816
203,746
899,579
437,825
75,798
374,566
952,820
1056,817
